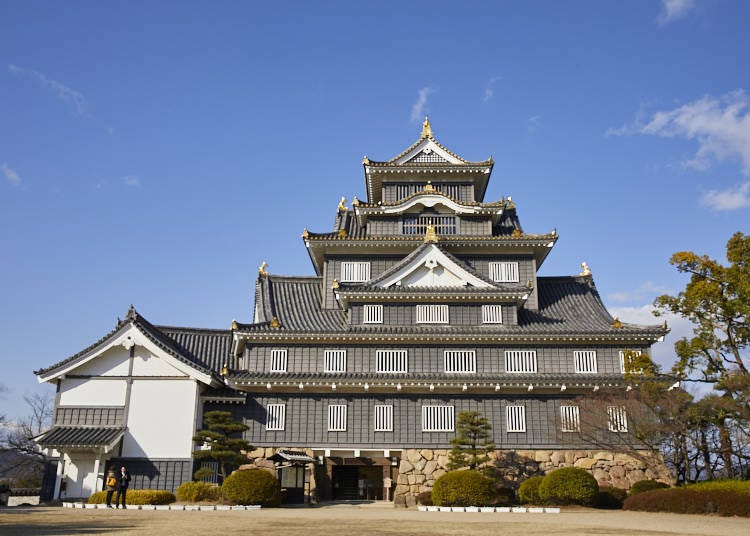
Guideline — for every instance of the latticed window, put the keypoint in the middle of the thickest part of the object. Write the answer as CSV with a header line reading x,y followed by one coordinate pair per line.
x,y
275,416
622,360
520,361
437,418
278,360
417,225
432,314
355,271
570,419
383,418
585,361
392,361
492,314
337,418
372,314
504,272
618,419
335,361
515,418
460,361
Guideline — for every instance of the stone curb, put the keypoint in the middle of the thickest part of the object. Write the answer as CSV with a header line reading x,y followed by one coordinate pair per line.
x,y
488,509
171,507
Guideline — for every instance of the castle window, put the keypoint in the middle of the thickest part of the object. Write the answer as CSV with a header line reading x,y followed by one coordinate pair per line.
x,y
337,418
492,314
504,272
372,314
622,360
335,361
437,418
520,361
383,418
275,416
585,361
460,361
618,419
432,314
570,419
355,271
417,225
515,418
392,361
278,360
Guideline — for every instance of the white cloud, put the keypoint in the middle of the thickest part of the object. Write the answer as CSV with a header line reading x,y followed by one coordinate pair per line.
x,y
532,123
720,126
10,175
64,93
645,291
729,199
672,10
489,89
419,107
132,180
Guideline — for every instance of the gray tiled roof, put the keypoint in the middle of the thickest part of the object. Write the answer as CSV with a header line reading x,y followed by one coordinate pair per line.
x,y
296,303
249,376
80,436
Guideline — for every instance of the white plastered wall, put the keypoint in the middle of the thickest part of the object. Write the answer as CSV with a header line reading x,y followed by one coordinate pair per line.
x,y
81,481
92,392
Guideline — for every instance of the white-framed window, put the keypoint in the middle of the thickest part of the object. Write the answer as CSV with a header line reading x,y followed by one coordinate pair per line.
x,y
275,416
618,419
492,314
504,272
585,361
515,418
432,314
570,420
437,418
622,360
334,361
337,418
372,314
355,271
278,360
460,361
520,361
392,361
383,418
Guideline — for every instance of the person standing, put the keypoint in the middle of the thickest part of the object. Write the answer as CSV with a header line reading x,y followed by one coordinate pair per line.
x,y
111,485
123,483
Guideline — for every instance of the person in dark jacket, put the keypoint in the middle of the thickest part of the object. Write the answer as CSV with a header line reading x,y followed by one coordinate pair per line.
x,y
110,483
123,483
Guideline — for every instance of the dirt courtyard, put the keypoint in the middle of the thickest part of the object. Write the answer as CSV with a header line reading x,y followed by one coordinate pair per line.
x,y
359,520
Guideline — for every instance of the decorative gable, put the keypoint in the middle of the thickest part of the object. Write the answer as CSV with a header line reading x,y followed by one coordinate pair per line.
x,y
428,150
431,267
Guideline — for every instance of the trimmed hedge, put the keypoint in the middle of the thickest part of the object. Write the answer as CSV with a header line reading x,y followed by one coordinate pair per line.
x,y
740,486
691,501
569,485
528,492
504,497
463,488
611,498
252,486
137,496
425,498
646,485
198,491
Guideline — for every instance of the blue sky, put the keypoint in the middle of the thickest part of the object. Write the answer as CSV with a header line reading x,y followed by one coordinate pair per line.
x,y
156,153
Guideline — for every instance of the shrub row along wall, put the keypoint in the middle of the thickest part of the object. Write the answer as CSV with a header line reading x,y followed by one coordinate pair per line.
x,y
419,468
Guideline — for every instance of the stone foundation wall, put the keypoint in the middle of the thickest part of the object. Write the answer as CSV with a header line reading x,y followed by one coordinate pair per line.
x,y
419,468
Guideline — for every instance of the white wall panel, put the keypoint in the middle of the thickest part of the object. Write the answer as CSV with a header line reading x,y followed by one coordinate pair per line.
x,y
93,392
113,362
147,364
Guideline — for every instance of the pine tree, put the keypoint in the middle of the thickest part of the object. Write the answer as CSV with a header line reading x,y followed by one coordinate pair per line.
x,y
473,443
218,445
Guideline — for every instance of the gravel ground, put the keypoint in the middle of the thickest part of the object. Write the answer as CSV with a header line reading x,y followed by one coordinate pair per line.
x,y
360,520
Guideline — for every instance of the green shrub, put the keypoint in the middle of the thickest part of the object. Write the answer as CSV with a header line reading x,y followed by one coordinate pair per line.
x,y
691,501
463,488
425,498
646,485
137,496
528,492
740,486
504,497
204,473
611,498
569,485
252,486
198,491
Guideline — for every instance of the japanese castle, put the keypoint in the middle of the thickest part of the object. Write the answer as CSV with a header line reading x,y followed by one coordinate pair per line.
x,y
425,303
